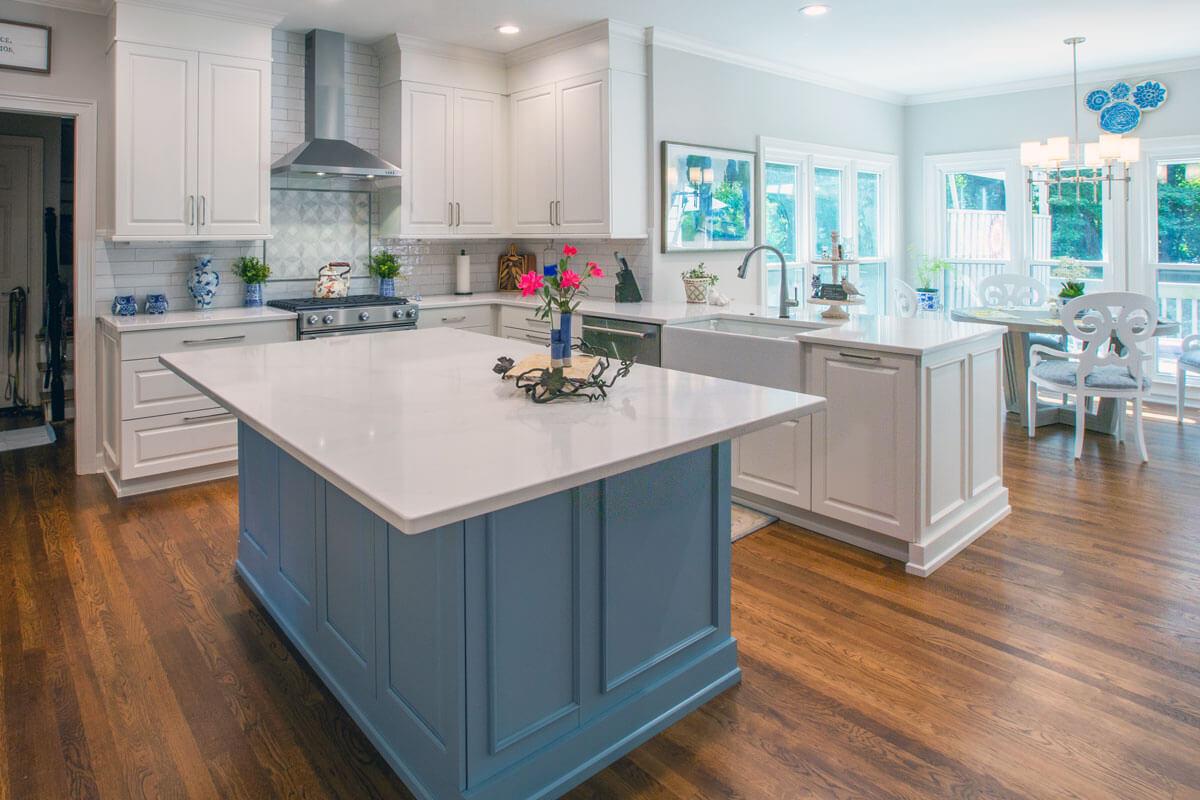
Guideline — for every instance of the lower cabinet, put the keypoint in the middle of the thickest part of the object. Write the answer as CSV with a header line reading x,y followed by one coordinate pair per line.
x,y
158,431
864,446
481,319
776,463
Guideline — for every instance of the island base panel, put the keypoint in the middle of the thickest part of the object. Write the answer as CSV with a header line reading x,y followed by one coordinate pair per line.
x,y
512,654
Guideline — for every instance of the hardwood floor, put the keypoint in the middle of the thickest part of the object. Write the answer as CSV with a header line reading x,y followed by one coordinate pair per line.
x,y
1059,656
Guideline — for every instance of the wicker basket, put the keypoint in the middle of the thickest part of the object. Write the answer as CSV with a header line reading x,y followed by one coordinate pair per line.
x,y
696,289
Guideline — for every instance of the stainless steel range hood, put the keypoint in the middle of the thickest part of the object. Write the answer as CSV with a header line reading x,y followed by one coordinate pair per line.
x,y
325,151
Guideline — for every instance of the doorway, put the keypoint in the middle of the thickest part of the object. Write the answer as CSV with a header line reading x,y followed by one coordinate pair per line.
x,y
21,185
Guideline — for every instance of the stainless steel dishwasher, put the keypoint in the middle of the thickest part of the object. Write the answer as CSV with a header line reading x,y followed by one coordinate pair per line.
x,y
620,338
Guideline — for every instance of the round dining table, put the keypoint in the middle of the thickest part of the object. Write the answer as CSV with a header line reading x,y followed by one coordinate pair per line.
x,y
1021,321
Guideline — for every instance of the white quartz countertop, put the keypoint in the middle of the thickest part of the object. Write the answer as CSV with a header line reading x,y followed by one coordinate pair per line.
x,y
418,428
188,319
657,313
906,335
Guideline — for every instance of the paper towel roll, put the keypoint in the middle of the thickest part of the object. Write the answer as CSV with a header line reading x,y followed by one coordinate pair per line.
x,y
462,273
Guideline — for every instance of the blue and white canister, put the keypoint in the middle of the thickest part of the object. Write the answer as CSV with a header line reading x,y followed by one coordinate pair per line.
x,y
387,287
929,300
253,295
203,282
124,305
156,304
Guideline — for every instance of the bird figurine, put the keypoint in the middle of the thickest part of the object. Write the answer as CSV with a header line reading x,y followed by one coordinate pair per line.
x,y
850,289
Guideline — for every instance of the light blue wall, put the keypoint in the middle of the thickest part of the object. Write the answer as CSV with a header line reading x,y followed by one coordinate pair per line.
x,y
1004,121
704,101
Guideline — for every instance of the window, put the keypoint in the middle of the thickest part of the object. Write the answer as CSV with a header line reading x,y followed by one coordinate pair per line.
x,y
1176,269
811,191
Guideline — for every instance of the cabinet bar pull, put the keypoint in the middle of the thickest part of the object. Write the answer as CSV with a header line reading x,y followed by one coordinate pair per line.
x,y
450,211
216,339
860,357
458,214
203,210
537,321
539,339
208,416
191,209
558,212
618,332
454,319
551,212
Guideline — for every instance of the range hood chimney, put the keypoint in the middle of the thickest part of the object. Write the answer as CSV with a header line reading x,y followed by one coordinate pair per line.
x,y
325,151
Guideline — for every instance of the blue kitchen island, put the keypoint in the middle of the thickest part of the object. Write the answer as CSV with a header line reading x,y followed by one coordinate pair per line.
x,y
505,597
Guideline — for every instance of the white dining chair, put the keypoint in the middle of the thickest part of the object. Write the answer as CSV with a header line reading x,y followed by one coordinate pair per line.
x,y
1012,289
1189,361
905,297
1111,365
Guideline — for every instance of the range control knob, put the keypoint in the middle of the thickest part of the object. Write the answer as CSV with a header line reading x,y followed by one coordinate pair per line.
x,y
363,316
412,312
312,319
328,319
398,313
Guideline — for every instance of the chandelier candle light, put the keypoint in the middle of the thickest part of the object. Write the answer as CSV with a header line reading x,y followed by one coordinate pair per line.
x,y
557,289
1101,155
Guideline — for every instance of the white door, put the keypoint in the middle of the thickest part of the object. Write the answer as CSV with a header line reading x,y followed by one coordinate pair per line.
x,y
583,154
426,158
865,443
234,146
156,133
20,259
478,162
534,160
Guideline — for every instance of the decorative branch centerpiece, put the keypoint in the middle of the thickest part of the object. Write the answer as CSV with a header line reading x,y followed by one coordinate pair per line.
x,y
559,376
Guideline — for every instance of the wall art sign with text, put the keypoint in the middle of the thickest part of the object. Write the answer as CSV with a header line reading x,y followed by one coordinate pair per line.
x,y
24,47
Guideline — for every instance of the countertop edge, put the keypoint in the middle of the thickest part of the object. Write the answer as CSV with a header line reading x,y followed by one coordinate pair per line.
x,y
422,524
814,338
167,321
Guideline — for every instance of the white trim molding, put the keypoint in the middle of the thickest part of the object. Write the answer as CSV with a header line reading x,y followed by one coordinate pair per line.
x,y
87,442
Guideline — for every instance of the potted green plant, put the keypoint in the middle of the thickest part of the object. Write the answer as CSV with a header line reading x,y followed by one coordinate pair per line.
x,y
696,282
387,268
254,273
929,274
1073,274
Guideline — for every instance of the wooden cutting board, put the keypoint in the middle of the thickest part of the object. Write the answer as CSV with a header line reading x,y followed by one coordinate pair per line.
x,y
581,366
512,266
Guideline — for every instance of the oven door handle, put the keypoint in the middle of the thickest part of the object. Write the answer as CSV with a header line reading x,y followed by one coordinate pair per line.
x,y
619,332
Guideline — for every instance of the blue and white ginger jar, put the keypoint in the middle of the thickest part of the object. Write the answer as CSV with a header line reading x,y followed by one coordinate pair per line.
x,y
203,282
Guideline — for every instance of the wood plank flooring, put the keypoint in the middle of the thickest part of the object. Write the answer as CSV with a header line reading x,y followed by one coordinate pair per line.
x,y
1058,657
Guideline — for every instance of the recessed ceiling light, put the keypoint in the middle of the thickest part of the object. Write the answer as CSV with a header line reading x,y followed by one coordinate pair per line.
x,y
814,10
508,29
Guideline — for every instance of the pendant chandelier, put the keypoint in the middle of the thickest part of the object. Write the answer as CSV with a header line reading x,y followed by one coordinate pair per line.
x,y
1100,156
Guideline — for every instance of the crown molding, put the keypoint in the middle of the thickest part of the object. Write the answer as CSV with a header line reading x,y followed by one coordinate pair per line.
x,y
399,42
97,8
1085,78
217,9
595,32
660,37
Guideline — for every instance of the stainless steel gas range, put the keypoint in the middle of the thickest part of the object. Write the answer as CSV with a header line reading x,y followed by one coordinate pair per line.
x,y
318,317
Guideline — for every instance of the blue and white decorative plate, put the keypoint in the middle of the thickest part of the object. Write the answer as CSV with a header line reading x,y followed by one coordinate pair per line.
x,y
1120,117
1119,90
1149,94
1097,99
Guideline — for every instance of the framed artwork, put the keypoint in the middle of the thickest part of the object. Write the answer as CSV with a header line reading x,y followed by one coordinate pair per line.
x,y
24,47
708,198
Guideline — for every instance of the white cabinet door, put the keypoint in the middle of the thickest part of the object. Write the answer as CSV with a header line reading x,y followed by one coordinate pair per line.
x,y
583,154
155,157
776,463
865,443
534,160
426,160
234,146
478,142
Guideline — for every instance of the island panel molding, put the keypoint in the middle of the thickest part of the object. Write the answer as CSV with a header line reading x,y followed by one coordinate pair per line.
x,y
429,641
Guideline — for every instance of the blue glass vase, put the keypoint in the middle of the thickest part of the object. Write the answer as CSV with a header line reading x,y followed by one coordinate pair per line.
x,y
387,287
253,295
560,340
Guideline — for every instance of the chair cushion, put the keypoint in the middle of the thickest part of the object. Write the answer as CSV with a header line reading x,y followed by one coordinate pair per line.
x,y
1191,358
1047,340
1106,376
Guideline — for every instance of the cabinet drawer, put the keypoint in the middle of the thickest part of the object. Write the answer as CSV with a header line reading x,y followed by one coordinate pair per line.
x,y
523,318
526,335
151,344
462,317
177,441
148,389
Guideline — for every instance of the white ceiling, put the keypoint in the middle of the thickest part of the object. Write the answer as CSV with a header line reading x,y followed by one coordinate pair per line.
x,y
902,47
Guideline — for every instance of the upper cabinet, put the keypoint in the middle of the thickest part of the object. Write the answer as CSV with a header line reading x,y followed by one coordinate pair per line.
x,y
552,139
192,153
451,151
